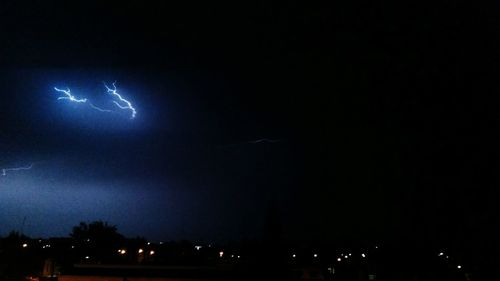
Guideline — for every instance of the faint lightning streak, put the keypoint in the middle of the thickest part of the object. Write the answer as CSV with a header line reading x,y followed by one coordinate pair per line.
x,y
68,96
100,109
128,105
264,141
4,171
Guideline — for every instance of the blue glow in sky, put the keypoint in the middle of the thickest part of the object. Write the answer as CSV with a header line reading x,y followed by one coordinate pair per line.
x,y
83,103
52,206
153,165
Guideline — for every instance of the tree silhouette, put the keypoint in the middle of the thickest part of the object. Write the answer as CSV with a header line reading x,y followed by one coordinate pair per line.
x,y
98,240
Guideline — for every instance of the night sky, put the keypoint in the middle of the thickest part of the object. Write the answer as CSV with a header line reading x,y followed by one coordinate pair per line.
x,y
377,121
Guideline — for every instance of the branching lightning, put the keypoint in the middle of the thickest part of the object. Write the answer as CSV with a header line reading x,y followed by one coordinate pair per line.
x,y
69,96
5,170
113,91
121,103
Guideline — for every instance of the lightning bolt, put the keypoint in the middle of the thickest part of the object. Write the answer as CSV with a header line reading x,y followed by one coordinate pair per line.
x,y
113,91
4,171
69,96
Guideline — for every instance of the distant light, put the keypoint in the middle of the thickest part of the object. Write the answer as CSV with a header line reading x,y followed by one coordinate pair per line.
x,y
346,257
376,247
221,253
315,255
232,256
440,254
141,251
149,243
161,242
122,251
25,245
239,256
72,247
459,266
87,257
350,254
151,252
447,256
293,256
88,240
363,255
197,248
339,259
